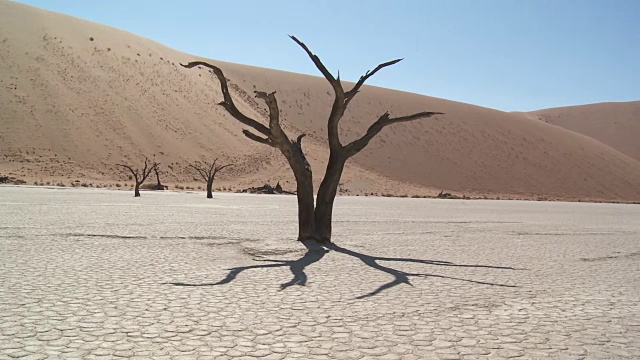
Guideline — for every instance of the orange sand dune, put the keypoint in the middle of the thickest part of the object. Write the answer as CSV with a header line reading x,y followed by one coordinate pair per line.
x,y
615,124
78,97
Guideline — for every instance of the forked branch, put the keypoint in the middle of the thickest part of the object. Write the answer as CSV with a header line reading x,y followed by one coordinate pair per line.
x,y
323,69
208,171
257,138
341,103
351,93
200,169
385,120
133,172
277,134
272,104
220,168
146,171
228,103
273,135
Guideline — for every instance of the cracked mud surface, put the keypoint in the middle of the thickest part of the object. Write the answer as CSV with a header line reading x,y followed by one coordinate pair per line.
x,y
88,274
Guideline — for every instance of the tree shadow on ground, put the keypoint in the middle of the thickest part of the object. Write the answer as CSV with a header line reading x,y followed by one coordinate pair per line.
x,y
315,252
403,277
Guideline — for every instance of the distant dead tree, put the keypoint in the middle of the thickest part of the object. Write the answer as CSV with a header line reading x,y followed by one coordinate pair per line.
x,y
158,185
314,220
140,177
208,173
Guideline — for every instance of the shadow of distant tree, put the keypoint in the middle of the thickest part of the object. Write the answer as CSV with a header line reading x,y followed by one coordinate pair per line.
x,y
315,252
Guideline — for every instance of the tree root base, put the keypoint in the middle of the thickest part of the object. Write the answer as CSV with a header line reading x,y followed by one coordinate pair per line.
x,y
314,238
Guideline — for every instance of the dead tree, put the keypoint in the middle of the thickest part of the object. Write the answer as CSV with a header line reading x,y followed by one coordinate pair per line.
x,y
140,177
208,173
314,220
158,186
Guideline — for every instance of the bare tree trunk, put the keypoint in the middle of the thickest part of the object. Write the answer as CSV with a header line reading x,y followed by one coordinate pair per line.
x,y
136,190
159,186
306,220
326,196
210,188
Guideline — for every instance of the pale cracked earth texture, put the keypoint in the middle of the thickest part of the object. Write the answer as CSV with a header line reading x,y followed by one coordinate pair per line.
x,y
98,274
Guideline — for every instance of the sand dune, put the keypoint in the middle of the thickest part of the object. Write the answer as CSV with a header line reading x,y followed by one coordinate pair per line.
x,y
78,97
615,124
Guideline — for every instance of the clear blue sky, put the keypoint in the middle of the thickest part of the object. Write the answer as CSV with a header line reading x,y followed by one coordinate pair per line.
x,y
508,54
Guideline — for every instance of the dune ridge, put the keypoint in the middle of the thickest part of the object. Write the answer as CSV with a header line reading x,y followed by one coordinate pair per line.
x,y
78,97
616,124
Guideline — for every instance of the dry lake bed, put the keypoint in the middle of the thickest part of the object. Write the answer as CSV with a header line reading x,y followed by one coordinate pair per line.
x,y
87,273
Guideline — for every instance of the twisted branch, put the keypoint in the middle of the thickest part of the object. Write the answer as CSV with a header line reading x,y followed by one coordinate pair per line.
x,y
228,103
342,100
357,145
146,171
208,172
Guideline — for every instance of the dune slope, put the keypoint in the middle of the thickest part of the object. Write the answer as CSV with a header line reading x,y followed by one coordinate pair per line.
x,y
78,97
615,124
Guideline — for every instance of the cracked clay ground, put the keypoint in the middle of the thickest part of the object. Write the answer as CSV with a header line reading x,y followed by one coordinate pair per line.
x,y
87,274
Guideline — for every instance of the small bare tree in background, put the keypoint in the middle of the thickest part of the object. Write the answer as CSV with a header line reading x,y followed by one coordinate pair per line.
x,y
208,173
314,219
159,185
138,176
